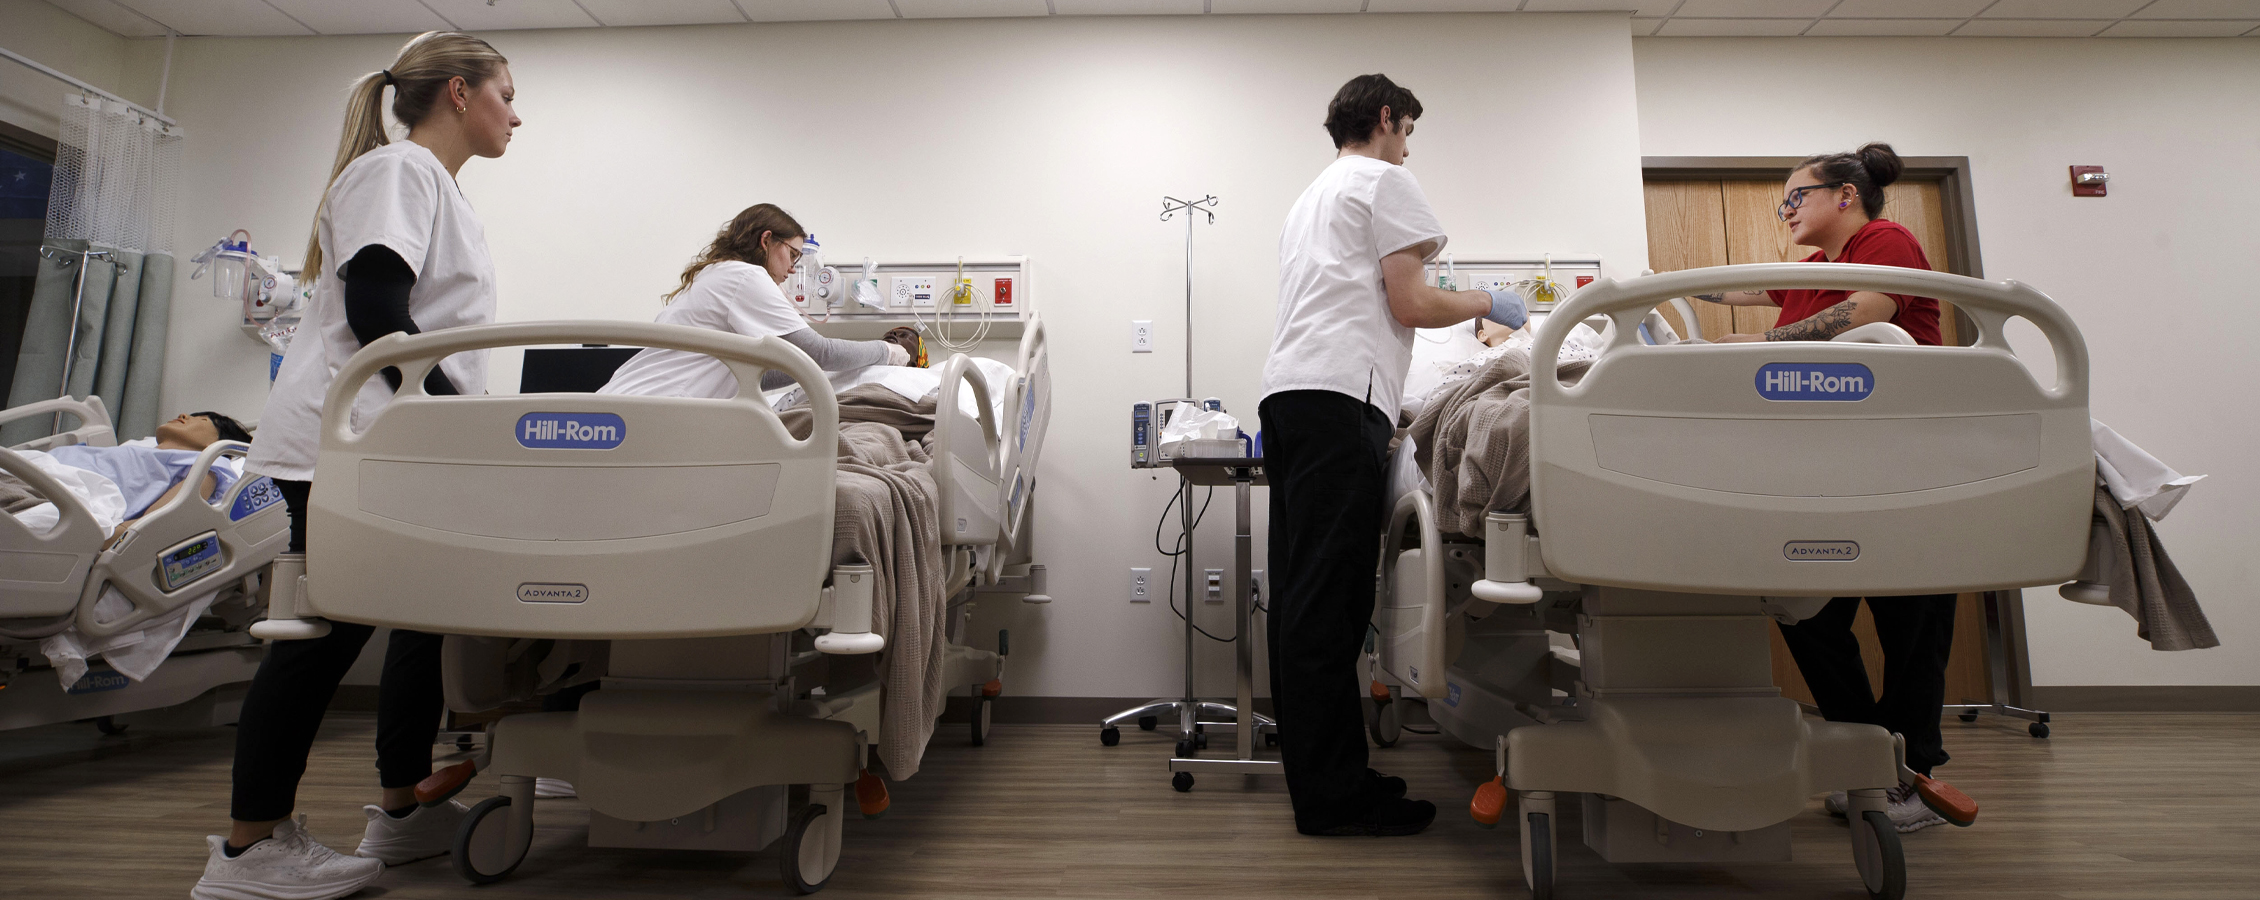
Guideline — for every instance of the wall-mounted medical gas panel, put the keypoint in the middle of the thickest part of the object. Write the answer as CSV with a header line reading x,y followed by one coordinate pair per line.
x,y
1472,272
859,301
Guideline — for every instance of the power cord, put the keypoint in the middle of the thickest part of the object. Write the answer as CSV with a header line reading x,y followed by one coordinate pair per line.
x,y
1183,546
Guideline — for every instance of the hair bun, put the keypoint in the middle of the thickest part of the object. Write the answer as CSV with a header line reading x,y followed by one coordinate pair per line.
x,y
1882,163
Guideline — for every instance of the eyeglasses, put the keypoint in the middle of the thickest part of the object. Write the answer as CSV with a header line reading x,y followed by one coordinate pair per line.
x,y
795,251
1797,198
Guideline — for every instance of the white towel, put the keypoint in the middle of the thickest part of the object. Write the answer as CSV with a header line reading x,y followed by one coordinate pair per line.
x,y
2137,479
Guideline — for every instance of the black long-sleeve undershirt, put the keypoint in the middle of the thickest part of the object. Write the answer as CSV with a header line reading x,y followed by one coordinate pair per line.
x,y
377,283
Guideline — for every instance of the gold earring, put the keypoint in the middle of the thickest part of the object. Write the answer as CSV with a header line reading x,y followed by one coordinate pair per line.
x,y
462,109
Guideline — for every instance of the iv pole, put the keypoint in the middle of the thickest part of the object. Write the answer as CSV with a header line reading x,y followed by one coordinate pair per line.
x,y
1171,206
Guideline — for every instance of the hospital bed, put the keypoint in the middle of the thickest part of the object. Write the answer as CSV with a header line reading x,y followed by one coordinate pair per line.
x,y
175,554
694,536
1610,641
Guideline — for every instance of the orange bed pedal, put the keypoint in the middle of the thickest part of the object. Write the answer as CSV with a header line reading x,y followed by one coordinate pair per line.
x,y
443,785
1946,800
1379,691
1490,803
993,688
871,795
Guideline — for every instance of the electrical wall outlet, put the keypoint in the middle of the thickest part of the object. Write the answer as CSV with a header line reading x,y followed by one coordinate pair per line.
x,y
1257,587
1215,592
1141,585
1141,335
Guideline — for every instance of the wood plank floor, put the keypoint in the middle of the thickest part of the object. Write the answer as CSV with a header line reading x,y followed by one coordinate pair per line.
x,y
2160,807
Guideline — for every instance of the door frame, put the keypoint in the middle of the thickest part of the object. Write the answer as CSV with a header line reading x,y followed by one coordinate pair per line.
x,y
1952,173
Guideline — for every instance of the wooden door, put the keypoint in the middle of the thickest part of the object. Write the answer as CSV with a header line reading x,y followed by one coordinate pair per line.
x,y
1693,224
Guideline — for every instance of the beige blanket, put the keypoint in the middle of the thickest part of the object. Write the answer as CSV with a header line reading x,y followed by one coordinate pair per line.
x,y
1473,442
886,515
2145,583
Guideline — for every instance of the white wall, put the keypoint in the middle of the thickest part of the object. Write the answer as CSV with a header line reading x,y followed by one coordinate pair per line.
x,y
2160,275
1050,138
59,40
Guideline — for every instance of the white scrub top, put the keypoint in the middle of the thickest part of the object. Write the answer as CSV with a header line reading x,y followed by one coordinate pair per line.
x,y
401,197
1334,331
732,296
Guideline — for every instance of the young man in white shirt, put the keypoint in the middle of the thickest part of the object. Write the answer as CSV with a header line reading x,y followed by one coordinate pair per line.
x,y
1352,288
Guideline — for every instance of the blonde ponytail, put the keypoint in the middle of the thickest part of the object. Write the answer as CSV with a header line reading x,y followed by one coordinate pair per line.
x,y
418,78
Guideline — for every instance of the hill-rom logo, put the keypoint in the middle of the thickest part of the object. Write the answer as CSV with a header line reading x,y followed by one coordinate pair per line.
x,y
571,431
534,592
1815,381
1824,551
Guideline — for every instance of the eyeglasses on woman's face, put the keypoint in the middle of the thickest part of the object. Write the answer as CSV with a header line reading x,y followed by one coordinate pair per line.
x,y
1796,198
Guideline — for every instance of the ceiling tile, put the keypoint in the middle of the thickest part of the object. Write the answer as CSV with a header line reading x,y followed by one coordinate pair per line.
x,y
970,9
111,17
1746,9
2201,9
2032,27
361,16
1418,6
1129,7
1907,9
1833,27
1239,7
1651,8
814,10
1732,27
504,15
229,17
2062,9
662,12
2169,28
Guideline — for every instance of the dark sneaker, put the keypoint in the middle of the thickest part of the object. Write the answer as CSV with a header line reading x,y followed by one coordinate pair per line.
x,y
1386,787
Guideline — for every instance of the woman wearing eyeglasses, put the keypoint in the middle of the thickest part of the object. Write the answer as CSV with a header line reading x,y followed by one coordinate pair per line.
x,y
1832,202
733,286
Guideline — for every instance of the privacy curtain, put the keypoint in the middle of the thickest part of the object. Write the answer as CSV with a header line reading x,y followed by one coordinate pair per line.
x,y
116,173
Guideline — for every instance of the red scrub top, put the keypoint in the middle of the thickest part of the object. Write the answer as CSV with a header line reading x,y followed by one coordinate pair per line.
x,y
1881,242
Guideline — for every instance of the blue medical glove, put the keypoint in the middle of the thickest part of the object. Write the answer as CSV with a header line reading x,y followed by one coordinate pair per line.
x,y
1507,309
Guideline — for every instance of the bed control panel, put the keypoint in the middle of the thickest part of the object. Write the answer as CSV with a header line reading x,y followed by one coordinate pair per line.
x,y
189,560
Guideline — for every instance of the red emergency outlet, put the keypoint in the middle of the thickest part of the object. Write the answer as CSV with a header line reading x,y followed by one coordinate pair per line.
x,y
1583,280
2090,181
1003,293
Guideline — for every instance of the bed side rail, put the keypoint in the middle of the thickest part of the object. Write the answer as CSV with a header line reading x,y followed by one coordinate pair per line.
x,y
93,419
40,574
189,546
967,458
573,515
1031,403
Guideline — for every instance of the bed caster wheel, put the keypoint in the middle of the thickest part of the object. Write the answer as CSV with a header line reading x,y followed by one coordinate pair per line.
x,y
811,849
1148,723
1183,782
485,849
1110,736
109,726
2038,729
1875,847
981,708
1538,854
1967,717
1385,726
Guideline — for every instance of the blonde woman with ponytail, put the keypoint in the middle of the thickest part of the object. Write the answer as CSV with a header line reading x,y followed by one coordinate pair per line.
x,y
395,248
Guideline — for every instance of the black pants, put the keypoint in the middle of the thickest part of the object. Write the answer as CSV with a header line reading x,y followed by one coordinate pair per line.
x,y
294,686
1917,633
1326,456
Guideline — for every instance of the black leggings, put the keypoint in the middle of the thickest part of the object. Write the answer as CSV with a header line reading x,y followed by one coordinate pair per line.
x,y
1917,634
1326,456
294,686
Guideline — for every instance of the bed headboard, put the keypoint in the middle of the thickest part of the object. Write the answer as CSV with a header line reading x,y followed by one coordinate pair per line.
x,y
573,515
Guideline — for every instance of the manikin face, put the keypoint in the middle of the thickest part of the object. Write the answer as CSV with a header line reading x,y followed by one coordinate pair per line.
x,y
1820,211
781,256
188,432
488,118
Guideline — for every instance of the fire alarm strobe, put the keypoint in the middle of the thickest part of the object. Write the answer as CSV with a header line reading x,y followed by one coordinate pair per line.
x,y
2089,181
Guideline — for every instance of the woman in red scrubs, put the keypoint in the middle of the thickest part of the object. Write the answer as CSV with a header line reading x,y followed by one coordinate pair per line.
x,y
1831,202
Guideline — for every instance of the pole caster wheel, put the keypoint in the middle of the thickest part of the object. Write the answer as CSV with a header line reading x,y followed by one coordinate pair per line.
x,y
1186,747
1110,736
1967,717
1182,781
485,850
1876,849
2038,729
1148,723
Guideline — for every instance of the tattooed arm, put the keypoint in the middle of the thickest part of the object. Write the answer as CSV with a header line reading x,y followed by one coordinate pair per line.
x,y
1862,308
1738,298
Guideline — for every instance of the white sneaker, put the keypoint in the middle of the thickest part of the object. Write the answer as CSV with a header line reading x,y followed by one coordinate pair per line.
x,y
423,834
289,866
1837,804
1908,812
554,789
